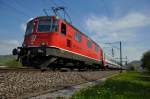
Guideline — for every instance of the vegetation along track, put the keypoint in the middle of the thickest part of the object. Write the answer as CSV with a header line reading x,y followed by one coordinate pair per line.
x,y
23,83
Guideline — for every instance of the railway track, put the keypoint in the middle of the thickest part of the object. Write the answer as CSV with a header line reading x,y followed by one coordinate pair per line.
x,y
17,69
27,82
32,70
45,70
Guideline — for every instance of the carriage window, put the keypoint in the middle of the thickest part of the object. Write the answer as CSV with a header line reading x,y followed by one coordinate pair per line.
x,y
89,44
63,28
29,28
96,48
78,37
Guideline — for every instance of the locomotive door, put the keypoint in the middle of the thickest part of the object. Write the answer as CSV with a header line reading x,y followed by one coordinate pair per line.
x,y
68,36
68,43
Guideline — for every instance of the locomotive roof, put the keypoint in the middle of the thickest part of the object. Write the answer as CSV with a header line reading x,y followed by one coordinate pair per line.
x,y
70,25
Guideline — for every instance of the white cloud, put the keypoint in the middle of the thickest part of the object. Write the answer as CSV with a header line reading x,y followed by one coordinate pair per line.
x,y
104,24
23,27
132,20
134,52
6,46
125,28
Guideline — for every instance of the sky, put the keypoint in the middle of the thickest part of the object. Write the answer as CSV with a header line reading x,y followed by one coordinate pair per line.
x,y
105,21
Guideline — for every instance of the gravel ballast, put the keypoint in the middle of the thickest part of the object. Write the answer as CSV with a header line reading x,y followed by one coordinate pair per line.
x,y
15,84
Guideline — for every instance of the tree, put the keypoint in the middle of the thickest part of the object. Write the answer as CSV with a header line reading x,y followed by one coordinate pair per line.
x,y
146,60
134,65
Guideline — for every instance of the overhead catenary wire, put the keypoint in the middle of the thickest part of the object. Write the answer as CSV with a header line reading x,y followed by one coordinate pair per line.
x,y
44,10
22,5
14,9
62,1
68,16
54,2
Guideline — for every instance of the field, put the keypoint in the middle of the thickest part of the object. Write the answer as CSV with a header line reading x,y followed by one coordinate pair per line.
x,y
10,61
129,85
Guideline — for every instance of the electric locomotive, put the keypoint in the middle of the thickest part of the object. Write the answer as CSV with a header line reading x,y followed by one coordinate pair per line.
x,y
51,40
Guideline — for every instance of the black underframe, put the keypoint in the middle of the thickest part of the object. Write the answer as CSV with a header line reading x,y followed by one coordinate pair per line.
x,y
56,52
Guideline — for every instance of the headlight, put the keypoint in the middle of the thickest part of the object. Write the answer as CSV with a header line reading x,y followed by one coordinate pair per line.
x,y
43,44
57,17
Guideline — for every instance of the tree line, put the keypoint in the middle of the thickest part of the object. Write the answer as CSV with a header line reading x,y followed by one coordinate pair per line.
x,y
146,60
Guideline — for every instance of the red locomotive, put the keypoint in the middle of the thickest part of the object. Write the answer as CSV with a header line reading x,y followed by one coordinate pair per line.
x,y
50,41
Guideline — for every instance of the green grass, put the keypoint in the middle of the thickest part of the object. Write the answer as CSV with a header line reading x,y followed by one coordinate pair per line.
x,y
129,85
13,64
10,61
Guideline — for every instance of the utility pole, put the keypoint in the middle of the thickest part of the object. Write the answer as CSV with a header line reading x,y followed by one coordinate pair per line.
x,y
120,53
120,48
112,52
126,60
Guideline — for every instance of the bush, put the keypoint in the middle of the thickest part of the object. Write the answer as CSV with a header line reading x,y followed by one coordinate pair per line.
x,y
146,60
132,68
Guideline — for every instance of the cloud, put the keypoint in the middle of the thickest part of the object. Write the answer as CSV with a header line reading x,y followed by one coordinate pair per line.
x,y
135,52
106,29
104,24
6,46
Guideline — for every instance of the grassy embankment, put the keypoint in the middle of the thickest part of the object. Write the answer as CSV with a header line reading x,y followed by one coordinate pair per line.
x,y
129,85
10,61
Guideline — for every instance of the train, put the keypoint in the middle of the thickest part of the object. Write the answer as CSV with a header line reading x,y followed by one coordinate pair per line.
x,y
51,41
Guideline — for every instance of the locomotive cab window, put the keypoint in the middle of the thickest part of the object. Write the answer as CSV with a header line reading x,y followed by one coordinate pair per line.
x,y
44,25
55,26
47,25
89,44
78,37
63,28
29,28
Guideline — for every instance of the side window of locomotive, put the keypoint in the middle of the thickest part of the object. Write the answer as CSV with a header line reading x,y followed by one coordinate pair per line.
x,y
63,28
29,28
44,26
89,44
55,26
96,48
78,37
